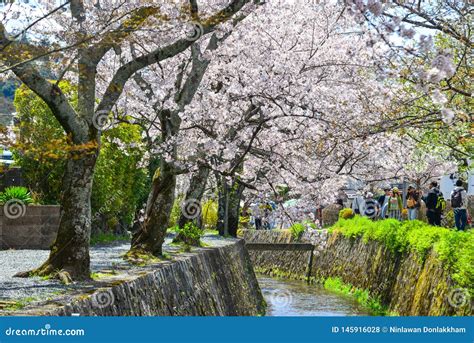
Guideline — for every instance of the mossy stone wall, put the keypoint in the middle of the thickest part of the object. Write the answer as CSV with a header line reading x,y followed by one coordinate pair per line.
x,y
404,282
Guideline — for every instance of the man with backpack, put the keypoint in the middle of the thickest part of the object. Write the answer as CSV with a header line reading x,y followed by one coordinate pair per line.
x,y
435,204
459,205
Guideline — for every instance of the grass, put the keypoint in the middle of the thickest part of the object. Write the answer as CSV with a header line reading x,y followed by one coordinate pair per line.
x,y
101,275
297,230
142,258
362,296
454,248
105,238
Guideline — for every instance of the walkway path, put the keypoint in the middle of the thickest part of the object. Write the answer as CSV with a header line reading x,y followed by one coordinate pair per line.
x,y
102,258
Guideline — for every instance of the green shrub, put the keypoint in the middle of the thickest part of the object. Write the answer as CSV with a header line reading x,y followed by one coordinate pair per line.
x,y
310,224
346,213
190,234
16,193
454,248
297,230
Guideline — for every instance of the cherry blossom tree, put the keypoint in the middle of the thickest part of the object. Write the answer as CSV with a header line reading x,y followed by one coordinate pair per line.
x,y
85,33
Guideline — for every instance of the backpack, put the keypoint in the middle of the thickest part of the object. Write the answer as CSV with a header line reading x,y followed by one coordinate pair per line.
x,y
456,199
440,203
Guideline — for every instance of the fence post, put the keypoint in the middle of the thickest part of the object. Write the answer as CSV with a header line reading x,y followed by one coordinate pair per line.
x,y
310,265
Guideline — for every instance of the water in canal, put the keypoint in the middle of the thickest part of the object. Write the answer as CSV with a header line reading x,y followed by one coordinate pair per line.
x,y
297,298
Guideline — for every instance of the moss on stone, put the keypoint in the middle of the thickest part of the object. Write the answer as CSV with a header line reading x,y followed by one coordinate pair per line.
x,y
17,304
362,296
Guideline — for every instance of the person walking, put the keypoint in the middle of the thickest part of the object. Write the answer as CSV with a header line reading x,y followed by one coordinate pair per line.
x,y
395,204
459,205
358,203
257,215
413,203
383,202
435,204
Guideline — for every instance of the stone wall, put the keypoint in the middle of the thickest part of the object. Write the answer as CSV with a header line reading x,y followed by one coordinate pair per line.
x,y
28,227
217,281
405,283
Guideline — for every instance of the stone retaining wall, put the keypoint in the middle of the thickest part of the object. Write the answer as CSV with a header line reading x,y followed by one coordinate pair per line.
x,y
405,283
28,227
216,281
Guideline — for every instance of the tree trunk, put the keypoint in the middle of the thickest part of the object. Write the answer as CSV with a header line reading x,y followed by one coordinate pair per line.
x,y
233,212
70,251
221,204
197,186
229,197
152,232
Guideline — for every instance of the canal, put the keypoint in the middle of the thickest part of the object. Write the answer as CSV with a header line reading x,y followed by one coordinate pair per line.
x,y
296,298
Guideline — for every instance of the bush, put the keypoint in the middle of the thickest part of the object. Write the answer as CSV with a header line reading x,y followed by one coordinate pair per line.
x,y
16,193
454,248
346,213
190,234
297,230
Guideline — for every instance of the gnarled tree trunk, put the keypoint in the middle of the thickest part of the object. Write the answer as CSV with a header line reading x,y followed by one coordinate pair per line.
x,y
152,232
229,197
70,251
197,186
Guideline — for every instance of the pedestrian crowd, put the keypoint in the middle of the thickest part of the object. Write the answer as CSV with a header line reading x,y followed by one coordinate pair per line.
x,y
391,204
